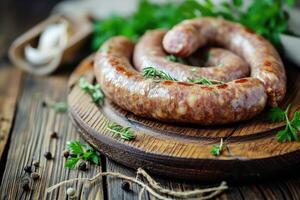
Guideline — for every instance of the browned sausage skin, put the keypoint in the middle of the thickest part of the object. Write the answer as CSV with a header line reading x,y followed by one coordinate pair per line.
x,y
149,52
169,100
263,59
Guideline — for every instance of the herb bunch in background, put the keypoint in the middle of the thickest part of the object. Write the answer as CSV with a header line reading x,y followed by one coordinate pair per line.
x,y
79,151
267,17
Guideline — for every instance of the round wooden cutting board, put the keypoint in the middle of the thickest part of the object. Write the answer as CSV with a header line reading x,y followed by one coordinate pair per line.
x,y
183,151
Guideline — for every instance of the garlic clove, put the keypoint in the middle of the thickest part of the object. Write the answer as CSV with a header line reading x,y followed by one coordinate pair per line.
x,y
38,57
53,36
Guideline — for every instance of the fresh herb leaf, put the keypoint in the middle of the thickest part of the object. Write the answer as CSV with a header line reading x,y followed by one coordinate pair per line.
x,y
79,152
217,149
124,132
59,106
270,24
71,162
93,90
290,132
151,72
276,115
172,58
75,147
204,81
296,120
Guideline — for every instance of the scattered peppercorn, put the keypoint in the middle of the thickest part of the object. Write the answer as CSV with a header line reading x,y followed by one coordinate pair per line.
x,y
36,163
54,135
35,176
71,192
25,185
48,155
66,153
82,166
125,186
44,104
28,169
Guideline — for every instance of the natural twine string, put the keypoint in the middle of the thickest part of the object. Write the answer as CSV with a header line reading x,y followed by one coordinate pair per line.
x,y
153,188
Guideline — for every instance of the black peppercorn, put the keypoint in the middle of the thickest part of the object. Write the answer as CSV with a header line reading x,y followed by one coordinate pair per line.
x,y
28,169
82,166
125,186
66,153
35,176
48,155
54,135
44,104
25,184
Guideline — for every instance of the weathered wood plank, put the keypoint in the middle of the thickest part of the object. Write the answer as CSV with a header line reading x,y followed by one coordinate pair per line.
x,y
10,79
268,189
31,138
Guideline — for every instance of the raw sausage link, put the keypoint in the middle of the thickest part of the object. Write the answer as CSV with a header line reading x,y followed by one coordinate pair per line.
x,y
173,101
263,59
149,53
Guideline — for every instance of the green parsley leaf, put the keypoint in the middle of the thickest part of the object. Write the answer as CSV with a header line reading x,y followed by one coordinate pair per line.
x,y
79,152
217,149
296,120
276,115
71,162
75,147
59,106
290,132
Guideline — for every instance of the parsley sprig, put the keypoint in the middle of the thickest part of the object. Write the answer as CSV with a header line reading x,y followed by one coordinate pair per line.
x,y
94,90
292,127
79,151
124,132
60,106
217,149
270,24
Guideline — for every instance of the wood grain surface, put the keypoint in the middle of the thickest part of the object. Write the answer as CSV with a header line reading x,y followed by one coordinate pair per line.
x,y
27,132
252,150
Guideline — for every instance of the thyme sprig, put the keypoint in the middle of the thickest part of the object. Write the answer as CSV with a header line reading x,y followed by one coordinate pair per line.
x,y
217,149
158,75
292,127
93,90
205,81
79,151
59,107
151,72
124,132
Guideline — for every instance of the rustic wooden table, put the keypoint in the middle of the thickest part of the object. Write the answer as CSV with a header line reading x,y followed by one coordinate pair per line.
x,y
25,128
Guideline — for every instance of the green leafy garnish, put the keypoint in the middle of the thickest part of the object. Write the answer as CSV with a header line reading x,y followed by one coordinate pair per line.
x,y
93,90
266,17
172,58
124,132
217,149
204,81
79,151
151,72
61,106
292,127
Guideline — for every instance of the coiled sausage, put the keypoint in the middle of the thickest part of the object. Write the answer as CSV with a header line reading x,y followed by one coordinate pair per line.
x,y
173,101
264,61
224,65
